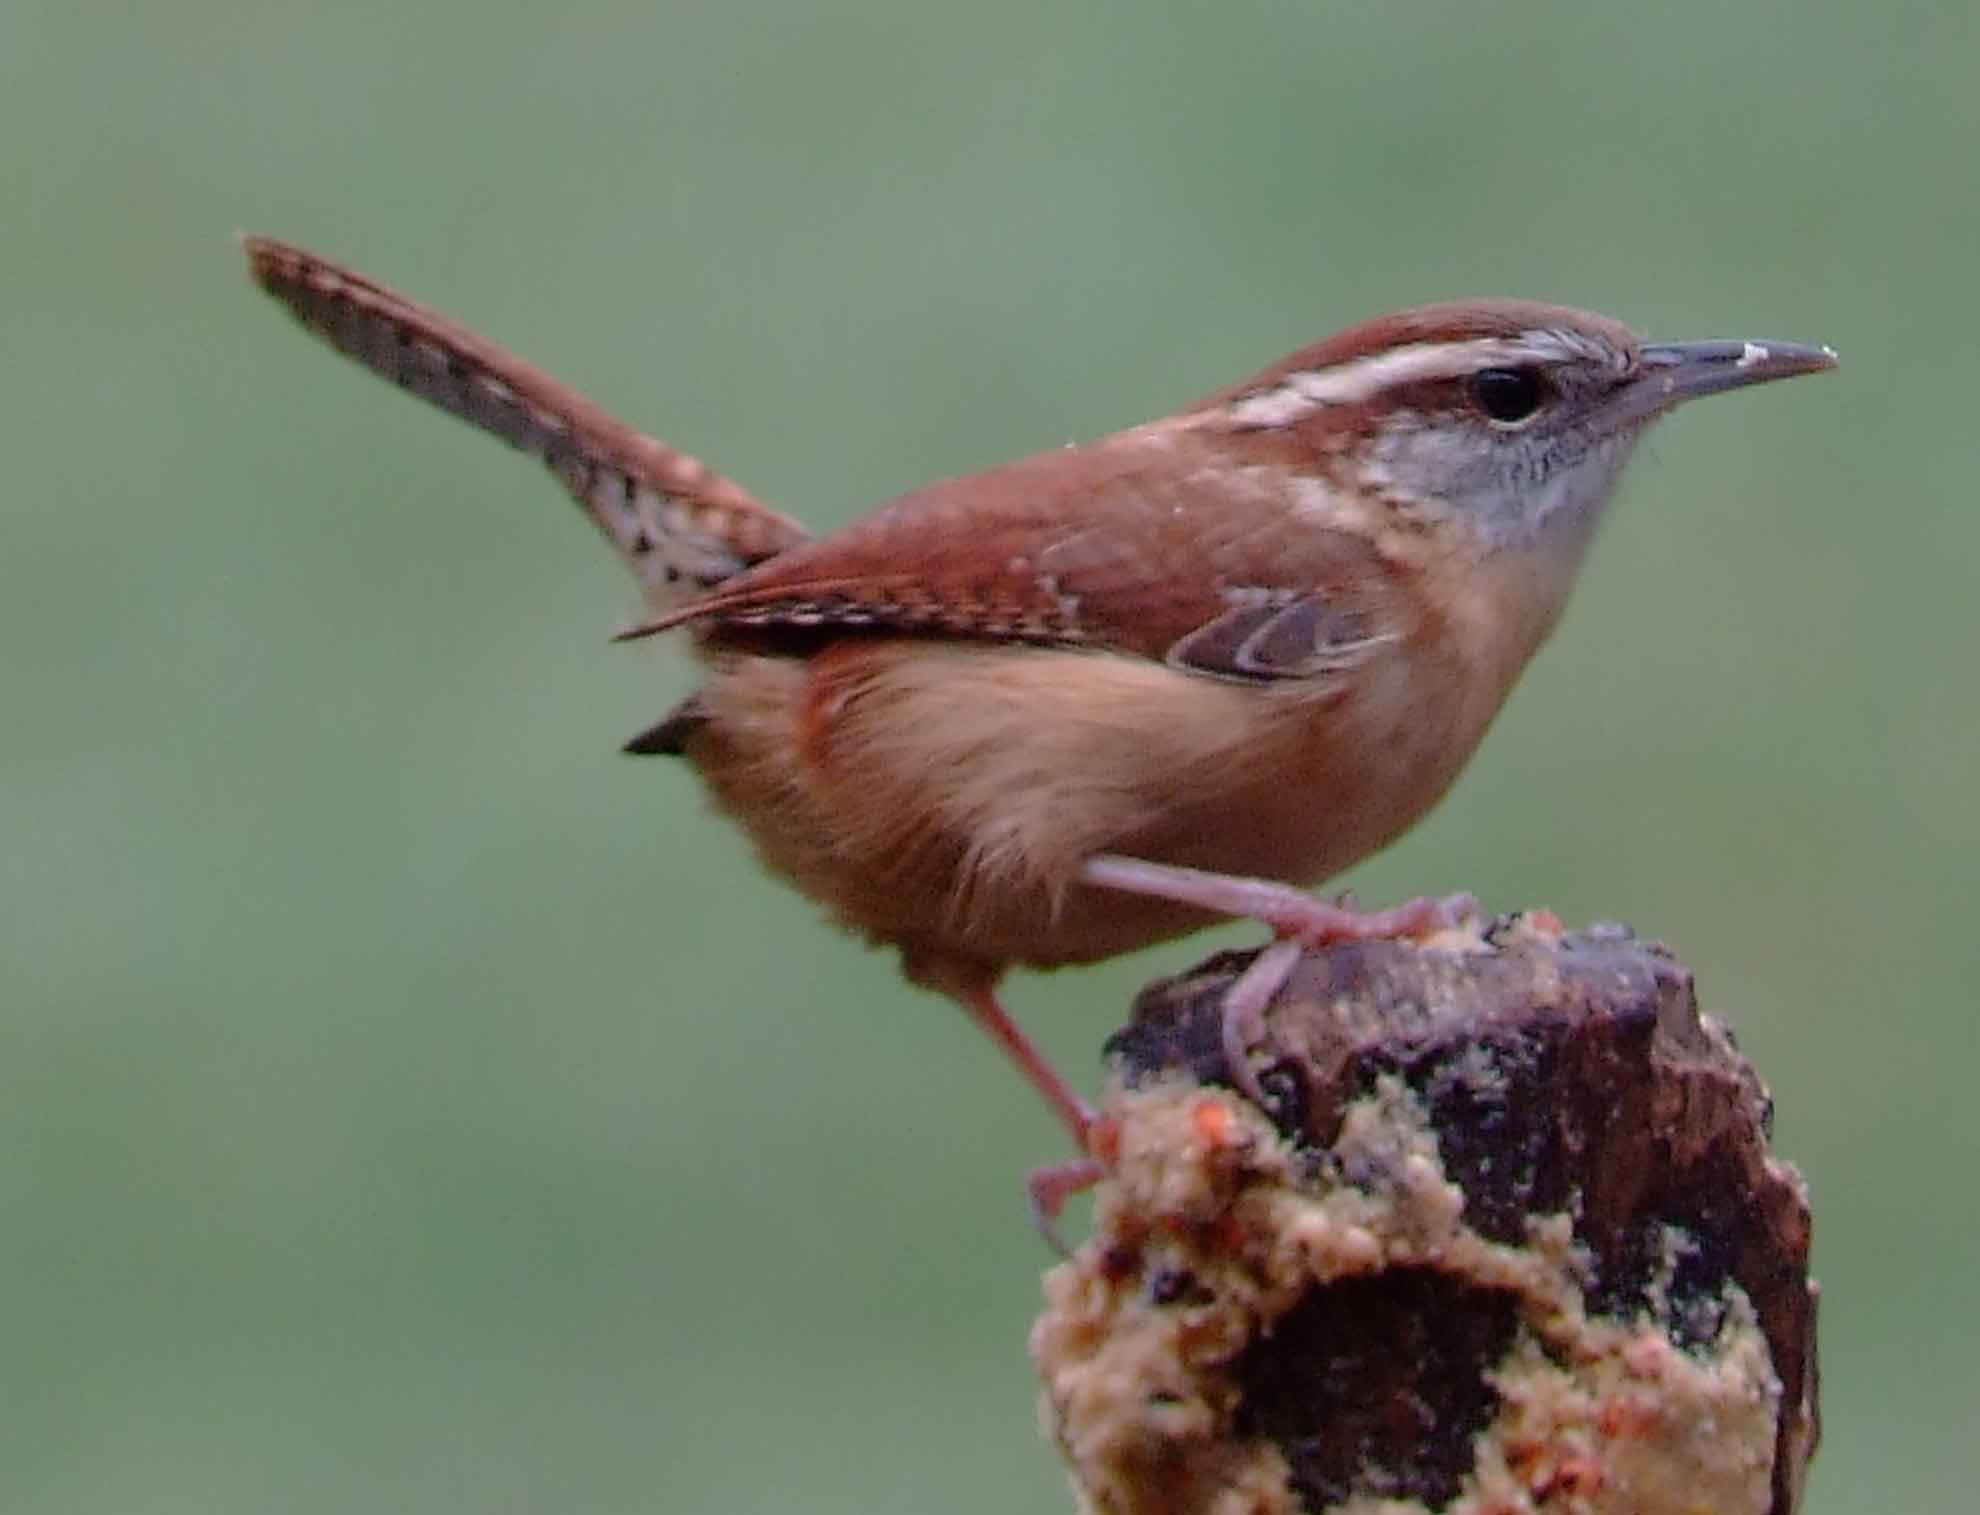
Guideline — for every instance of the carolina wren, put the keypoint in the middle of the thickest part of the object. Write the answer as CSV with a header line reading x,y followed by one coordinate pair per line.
x,y
1107,695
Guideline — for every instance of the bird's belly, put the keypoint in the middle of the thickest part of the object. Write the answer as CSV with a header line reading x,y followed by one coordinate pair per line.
x,y
1322,787
942,798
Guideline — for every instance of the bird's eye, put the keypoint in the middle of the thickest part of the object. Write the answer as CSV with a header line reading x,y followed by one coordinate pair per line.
x,y
1508,395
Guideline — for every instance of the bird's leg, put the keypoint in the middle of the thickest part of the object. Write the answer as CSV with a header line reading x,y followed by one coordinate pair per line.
x,y
1047,1188
1297,920
1293,914
1073,1112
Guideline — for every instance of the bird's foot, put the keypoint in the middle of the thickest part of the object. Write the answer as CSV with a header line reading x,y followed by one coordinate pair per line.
x,y
1048,1188
1298,921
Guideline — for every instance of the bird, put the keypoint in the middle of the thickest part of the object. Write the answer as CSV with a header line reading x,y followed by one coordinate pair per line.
x,y
1112,693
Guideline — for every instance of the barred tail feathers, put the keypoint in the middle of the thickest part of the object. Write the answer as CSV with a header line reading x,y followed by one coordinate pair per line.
x,y
681,527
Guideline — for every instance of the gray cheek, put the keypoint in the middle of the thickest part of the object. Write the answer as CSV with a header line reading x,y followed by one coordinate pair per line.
x,y
1546,486
1511,487
1568,505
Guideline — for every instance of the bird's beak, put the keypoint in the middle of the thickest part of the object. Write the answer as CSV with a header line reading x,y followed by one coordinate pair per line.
x,y
1673,372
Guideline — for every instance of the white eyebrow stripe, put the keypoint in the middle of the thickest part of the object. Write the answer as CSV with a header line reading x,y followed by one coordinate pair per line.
x,y
1361,379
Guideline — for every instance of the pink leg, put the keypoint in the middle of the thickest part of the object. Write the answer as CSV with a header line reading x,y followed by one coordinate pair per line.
x,y
1297,919
1046,1189
1292,913
1072,1111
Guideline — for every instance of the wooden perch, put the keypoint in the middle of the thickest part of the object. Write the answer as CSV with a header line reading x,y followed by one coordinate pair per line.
x,y
1510,1240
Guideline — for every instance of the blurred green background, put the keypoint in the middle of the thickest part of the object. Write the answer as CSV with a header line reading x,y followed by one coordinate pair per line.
x,y
407,1103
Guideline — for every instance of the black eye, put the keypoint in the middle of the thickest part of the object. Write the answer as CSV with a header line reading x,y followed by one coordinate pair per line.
x,y
1508,395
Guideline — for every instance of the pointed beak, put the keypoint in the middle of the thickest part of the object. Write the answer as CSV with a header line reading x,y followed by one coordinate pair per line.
x,y
1673,372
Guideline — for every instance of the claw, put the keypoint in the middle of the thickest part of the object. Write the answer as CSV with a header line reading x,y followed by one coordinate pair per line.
x,y
1047,1189
1315,923
1244,1014
1308,923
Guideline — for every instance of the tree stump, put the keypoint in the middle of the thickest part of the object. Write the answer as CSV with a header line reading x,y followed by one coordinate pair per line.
x,y
1509,1239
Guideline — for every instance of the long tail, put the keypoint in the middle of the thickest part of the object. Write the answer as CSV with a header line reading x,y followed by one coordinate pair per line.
x,y
681,527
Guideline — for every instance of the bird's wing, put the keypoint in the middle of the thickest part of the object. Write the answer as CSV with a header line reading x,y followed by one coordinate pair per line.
x,y
1145,542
